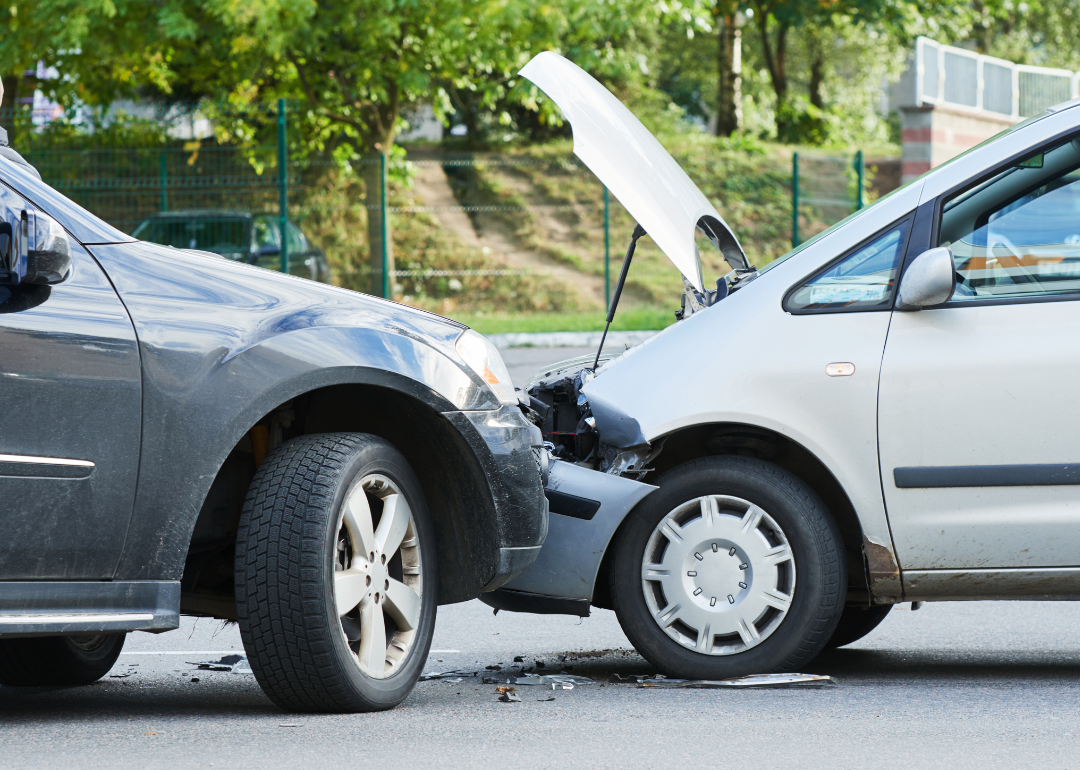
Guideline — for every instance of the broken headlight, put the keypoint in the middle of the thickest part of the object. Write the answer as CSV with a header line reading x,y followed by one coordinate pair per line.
x,y
484,359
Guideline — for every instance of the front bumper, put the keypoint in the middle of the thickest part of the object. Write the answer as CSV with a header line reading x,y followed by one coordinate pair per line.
x,y
510,451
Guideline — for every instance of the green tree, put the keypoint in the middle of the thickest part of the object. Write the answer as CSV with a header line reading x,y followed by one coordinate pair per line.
x,y
44,31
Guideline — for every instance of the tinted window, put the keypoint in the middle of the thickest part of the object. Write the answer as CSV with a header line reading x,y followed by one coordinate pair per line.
x,y
221,236
1019,233
296,240
862,281
267,233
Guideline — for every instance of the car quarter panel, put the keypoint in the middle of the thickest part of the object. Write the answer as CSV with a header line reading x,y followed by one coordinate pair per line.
x,y
747,361
223,344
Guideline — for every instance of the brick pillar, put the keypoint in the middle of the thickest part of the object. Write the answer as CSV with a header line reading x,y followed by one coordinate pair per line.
x,y
933,135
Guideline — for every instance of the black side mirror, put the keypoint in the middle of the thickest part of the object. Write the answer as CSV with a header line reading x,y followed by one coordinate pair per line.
x,y
34,249
269,250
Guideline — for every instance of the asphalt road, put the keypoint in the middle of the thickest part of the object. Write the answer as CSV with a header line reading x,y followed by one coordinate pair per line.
x,y
957,685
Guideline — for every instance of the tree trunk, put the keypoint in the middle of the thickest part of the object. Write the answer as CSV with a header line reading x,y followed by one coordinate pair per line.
x,y
729,95
817,73
775,61
8,102
375,186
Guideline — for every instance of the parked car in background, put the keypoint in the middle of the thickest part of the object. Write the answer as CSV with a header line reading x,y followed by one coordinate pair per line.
x,y
238,235
885,414
184,434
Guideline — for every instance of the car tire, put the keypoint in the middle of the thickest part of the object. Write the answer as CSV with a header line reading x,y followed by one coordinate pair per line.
x,y
855,623
732,567
333,521
52,661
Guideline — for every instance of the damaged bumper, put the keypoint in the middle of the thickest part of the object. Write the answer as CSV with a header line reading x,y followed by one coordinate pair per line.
x,y
587,508
510,451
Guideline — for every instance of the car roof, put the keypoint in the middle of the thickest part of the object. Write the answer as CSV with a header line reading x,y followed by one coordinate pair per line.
x,y
204,213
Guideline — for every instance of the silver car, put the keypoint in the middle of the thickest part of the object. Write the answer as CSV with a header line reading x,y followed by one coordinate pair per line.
x,y
886,414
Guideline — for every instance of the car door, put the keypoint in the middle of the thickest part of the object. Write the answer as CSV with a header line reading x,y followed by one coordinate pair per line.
x,y
978,410
70,400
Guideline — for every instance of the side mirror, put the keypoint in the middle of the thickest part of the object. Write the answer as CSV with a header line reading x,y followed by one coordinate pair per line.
x,y
930,280
269,250
34,249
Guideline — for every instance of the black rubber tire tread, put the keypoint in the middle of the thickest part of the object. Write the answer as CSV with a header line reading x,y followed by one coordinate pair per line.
x,y
53,661
284,590
855,623
815,539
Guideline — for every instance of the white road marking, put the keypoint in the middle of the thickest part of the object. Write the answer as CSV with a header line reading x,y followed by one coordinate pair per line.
x,y
186,652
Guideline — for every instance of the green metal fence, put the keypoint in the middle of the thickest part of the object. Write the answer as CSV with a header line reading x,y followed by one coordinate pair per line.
x,y
127,170
825,189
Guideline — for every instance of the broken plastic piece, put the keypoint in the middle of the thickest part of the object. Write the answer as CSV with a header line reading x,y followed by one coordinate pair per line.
x,y
553,679
227,663
452,676
509,697
758,681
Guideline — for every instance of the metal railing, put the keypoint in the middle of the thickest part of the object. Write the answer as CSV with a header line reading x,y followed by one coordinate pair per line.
x,y
965,80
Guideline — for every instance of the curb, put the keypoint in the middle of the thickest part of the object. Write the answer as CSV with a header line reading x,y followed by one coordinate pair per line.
x,y
568,339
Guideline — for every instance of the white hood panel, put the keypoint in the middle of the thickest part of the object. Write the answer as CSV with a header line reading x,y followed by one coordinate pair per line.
x,y
634,166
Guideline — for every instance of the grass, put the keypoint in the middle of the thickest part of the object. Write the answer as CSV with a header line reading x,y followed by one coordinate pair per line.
x,y
627,319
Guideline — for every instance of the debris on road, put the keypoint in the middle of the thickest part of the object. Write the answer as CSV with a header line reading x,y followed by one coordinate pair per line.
x,y
509,695
630,678
234,664
754,681
451,676
545,700
565,681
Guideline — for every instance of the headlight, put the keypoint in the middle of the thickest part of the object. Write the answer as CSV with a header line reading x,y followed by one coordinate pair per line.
x,y
484,359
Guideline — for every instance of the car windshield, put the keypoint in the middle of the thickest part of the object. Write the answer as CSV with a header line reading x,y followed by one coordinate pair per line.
x,y
225,235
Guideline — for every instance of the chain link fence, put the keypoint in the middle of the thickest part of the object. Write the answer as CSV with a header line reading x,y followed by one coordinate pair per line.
x,y
527,231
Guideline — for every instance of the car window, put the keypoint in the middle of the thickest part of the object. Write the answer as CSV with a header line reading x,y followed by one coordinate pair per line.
x,y
296,240
1018,234
266,233
221,236
863,280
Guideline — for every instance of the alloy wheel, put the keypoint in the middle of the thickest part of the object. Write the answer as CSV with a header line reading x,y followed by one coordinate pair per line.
x,y
378,575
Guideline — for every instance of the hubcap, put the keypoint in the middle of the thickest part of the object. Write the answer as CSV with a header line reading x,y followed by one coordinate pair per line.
x,y
378,575
718,575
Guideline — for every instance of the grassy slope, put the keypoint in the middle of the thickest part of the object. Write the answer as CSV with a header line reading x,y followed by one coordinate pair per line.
x,y
749,183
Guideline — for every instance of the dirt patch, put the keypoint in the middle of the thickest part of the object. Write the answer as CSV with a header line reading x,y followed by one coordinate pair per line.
x,y
497,239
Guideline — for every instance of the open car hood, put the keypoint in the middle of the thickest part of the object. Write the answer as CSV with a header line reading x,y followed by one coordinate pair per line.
x,y
635,166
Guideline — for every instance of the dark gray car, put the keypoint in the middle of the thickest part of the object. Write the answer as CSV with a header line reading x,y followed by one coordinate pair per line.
x,y
238,235
183,434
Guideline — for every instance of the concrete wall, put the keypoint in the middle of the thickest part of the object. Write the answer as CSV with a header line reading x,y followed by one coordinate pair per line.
x,y
933,135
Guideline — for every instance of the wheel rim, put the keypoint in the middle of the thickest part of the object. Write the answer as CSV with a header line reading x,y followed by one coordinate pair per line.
x,y
718,575
378,576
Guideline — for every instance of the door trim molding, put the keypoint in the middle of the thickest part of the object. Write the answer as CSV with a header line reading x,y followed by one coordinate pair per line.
x,y
936,477
45,467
